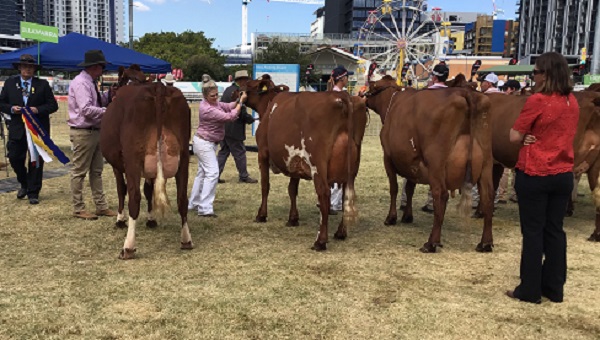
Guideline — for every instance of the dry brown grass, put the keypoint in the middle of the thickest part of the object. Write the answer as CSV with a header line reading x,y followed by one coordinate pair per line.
x,y
61,278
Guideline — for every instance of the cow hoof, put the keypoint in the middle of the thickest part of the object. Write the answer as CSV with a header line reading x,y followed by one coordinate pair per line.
x,y
485,247
121,225
260,219
477,214
292,223
151,224
319,246
127,254
390,221
430,247
339,235
187,245
595,237
407,219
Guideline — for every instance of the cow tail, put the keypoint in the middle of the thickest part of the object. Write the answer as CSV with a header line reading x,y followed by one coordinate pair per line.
x,y
160,200
350,211
466,196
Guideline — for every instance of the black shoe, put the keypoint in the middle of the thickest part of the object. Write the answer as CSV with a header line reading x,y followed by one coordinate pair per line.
x,y
221,181
22,193
248,180
426,209
34,201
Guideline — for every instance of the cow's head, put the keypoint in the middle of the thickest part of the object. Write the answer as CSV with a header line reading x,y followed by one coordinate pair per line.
x,y
260,91
133,74
461,81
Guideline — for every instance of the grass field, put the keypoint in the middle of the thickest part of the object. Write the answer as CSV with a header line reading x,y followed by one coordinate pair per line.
x,y
61,279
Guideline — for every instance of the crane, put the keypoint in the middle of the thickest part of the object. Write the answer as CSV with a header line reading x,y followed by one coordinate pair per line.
x,y
496,10
245,14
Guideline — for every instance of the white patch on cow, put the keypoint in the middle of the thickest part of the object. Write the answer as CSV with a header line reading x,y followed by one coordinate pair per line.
x,y
412,142
130,239
273,109
121,217
150,215
302,153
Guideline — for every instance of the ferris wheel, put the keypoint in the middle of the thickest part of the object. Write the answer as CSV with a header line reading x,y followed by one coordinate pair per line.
x,y
403,38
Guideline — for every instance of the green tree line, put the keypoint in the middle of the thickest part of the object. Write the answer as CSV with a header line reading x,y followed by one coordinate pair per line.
x,y
194,53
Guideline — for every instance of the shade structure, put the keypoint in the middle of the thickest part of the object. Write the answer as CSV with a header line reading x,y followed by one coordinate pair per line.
x,y
70,51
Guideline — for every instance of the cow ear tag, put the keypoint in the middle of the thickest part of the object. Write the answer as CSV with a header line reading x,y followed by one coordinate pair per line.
x,y
264,89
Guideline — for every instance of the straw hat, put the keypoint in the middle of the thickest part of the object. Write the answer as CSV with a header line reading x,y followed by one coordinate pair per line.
x,y
169,79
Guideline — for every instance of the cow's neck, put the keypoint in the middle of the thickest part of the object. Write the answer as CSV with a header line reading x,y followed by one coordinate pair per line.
x,y
382,102
259,103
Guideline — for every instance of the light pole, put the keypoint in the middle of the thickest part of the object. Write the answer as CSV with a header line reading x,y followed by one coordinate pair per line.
x,y
595,69
131,24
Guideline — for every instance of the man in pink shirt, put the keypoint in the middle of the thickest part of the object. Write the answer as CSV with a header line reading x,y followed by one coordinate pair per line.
x,y
86,108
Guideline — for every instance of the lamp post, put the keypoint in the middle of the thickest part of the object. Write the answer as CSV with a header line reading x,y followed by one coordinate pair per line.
x,y
595,69
131,24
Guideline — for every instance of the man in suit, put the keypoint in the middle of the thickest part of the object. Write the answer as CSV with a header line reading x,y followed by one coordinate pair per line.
x,y
18,92
235,133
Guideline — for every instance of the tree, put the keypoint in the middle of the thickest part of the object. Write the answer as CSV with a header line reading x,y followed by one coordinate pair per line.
x,y
198,65
180,49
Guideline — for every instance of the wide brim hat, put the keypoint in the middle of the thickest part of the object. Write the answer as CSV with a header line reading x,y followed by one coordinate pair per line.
x,y
27,59
93,57
241,74
169,79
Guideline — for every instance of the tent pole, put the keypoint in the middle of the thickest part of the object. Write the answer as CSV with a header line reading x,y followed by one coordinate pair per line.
x,y
38,72
131,24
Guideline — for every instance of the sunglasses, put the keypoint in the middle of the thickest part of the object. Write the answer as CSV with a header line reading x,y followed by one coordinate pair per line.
x,y
536,72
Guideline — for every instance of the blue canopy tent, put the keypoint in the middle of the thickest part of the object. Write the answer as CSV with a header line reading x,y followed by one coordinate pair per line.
x,y
70,51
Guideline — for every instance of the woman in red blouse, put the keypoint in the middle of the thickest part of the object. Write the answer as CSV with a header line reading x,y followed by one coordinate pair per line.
x,y
546,128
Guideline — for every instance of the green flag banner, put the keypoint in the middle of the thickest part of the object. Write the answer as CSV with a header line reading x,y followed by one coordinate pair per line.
x,y
39,32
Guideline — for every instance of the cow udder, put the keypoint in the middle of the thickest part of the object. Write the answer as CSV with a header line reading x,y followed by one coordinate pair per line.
x,y
170,152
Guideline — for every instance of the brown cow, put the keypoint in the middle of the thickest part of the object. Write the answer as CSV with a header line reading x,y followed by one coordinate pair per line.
x,y
504,112
439,137
145,133
312,136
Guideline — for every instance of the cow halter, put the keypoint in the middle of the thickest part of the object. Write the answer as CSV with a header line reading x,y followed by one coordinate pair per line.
x,y
390,104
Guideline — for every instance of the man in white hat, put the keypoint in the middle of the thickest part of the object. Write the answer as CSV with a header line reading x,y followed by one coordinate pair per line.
x,y
169,80
235,133
490,84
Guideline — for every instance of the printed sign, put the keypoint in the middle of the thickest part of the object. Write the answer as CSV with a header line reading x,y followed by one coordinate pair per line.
x,y
39,32
286,74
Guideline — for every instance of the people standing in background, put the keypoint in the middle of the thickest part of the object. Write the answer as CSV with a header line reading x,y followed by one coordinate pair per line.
x,y
546,129
211,130
18,92
235,133
86,109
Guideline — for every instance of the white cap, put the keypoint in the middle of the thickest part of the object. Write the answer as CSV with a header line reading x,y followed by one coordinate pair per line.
x,y
500,83
492,78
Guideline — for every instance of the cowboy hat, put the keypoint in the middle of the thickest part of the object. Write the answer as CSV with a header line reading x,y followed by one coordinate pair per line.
x,y
27,59
169,79
93,57
241,74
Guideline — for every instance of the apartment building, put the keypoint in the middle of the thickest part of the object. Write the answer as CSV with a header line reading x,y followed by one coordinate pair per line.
x,y
564,26
102,19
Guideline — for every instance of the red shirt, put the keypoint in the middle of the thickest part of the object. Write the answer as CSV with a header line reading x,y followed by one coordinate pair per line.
x,y
552,120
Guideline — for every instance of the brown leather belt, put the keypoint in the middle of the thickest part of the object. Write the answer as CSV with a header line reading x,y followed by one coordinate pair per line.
x,y
85,128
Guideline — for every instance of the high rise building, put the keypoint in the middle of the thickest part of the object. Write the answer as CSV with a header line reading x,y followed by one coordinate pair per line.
x,y
564,26
102,19
12,12
489,37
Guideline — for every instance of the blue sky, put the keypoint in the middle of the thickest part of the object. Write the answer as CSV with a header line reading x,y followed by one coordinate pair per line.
x,y
221,19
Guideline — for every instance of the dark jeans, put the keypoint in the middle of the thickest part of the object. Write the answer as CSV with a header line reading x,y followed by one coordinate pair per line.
x,y
237,149
542,204
30,179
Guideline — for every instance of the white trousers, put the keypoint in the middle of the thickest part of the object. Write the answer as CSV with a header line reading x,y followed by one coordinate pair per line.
x,y
337,194
207,177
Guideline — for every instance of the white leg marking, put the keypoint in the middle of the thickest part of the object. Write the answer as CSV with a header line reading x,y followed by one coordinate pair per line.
x,y
150,215
121,217
130,239
185,234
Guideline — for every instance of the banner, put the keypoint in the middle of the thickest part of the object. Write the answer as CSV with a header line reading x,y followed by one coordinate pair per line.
x,y
39,32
